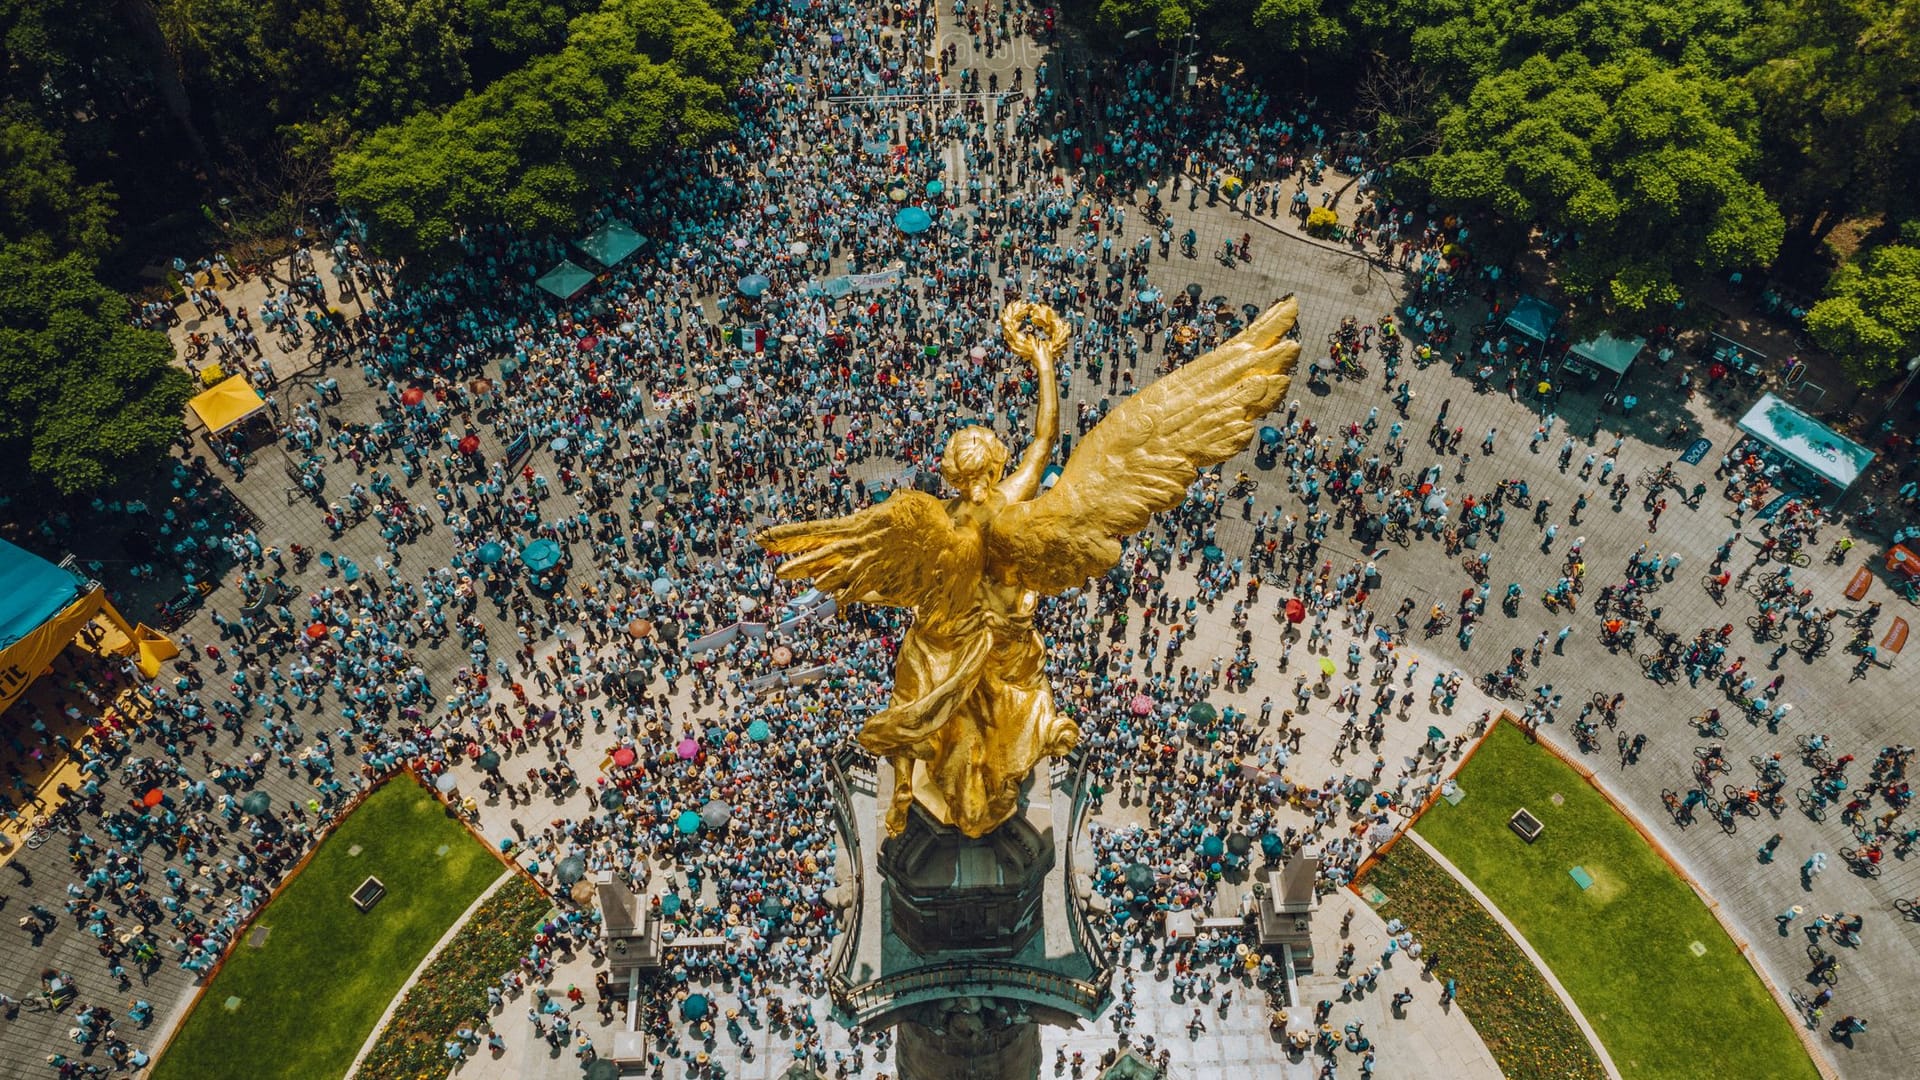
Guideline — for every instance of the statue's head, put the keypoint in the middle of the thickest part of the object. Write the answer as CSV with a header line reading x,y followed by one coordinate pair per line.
x,y
974,460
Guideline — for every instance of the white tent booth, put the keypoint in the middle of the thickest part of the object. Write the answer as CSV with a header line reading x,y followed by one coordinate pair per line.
x,y
1815,455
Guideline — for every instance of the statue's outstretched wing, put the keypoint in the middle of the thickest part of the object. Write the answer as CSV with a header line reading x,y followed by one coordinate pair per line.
x,y
904,552
1142,458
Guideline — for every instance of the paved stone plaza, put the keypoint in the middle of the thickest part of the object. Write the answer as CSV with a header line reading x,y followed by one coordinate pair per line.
x,y
1431,1040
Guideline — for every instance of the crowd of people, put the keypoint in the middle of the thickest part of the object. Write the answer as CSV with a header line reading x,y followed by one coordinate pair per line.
x,y
592,469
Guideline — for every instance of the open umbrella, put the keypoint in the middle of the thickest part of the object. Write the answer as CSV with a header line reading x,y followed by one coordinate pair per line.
x,y
772,909
687,749
670,904
1296,612
935,187
782,656
1271,845
602,1069
1434,734
1326,666
488,760
1202,713
662,586
758,731
1194,289
1212,846
1141,705
446,782
412,395
570,869
470,444
1239,843
688,822
491,552
639,628
912,220
695,1007
1210,553
256,803
559,444
317,631
753,285
541,555
1148,296
715,814
153,797
623,757
610,799
1269,436
1139,877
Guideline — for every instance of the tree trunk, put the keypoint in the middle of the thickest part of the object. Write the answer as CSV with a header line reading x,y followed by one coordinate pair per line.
x,y
164,66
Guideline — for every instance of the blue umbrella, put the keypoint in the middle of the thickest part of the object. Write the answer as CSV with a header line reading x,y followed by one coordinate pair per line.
x,y
1269,436
912,220
838,287
758,731
662,586
694,1007
560,444
688,822
542,554
1148,296
1212,846
935,187
670,904
753,285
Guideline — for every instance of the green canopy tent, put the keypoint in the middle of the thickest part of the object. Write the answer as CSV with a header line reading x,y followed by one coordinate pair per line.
x,y
1533,317
610,244
1606,353
566,280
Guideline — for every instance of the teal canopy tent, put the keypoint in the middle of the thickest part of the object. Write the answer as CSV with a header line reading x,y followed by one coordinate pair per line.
x,y
566,280
610,244
1607,353
1533,317
32,591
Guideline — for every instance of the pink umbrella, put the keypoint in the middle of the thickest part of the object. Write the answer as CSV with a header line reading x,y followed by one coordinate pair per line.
x,y
687,749
623,757
1141,705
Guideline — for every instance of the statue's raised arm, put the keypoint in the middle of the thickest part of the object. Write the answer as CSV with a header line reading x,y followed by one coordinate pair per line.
x,y
1038,333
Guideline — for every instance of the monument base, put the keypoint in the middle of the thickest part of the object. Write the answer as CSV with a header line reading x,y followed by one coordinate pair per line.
x,y
967,946
973,1039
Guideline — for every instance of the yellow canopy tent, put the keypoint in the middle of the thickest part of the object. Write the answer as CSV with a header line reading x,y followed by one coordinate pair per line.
x,y
226,404
42,607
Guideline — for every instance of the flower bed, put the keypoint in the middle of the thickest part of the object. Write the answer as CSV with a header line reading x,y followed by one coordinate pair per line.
x,y
1530,1033
453,989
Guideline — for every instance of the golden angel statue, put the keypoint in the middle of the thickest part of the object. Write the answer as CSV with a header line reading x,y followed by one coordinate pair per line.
x,y
971,712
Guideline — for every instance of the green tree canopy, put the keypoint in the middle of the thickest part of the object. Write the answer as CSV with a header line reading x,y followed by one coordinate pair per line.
x,y
1870,317
1644,166
1838,87
46,207
539,146
85,399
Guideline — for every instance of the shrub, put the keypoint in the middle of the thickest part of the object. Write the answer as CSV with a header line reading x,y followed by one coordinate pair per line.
x,y
453,988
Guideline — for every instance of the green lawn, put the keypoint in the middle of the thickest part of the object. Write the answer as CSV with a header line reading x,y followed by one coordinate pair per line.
x,y
1649,966
311,995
